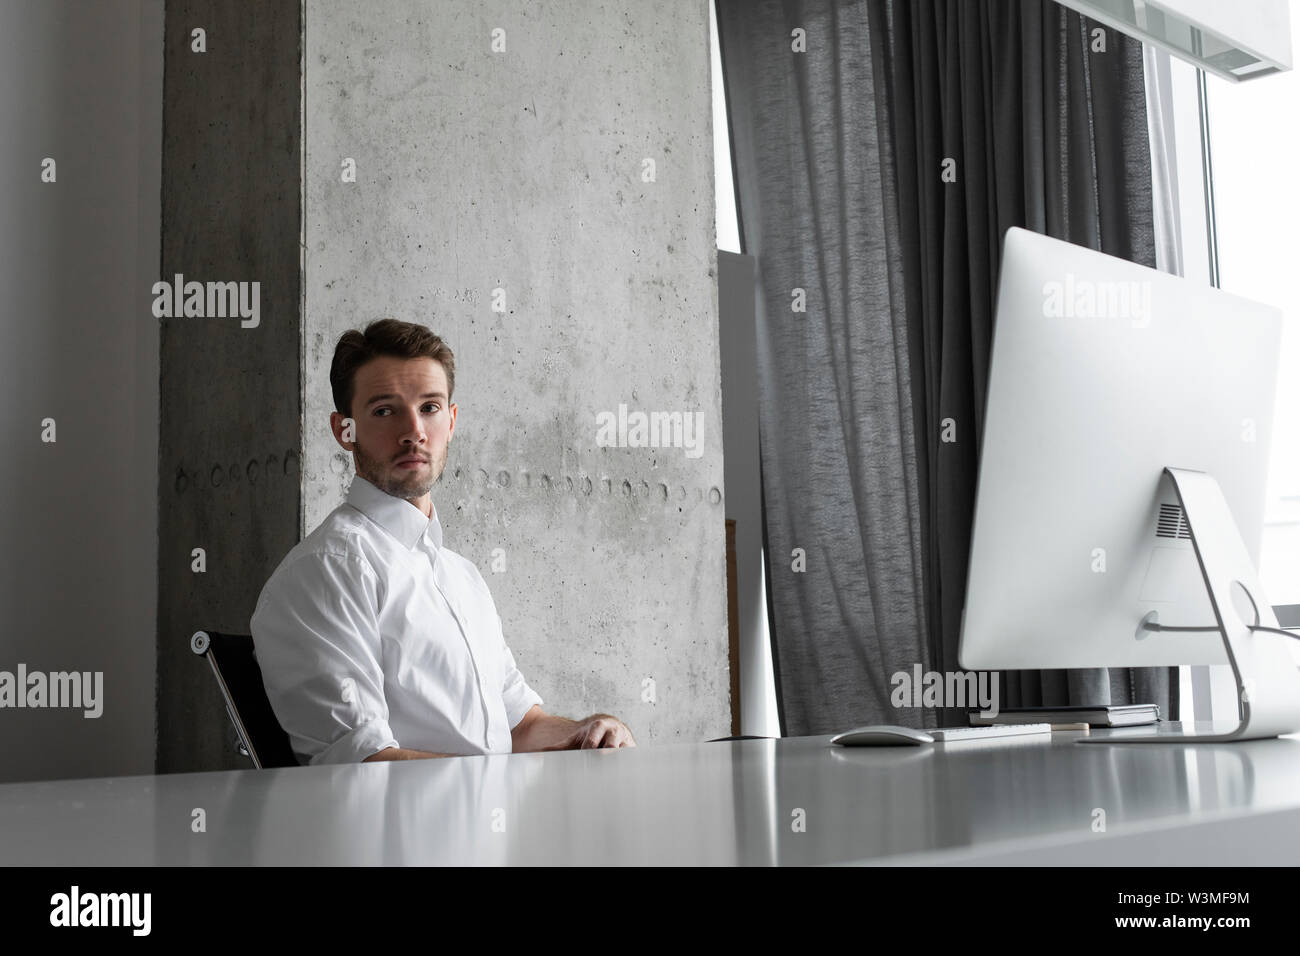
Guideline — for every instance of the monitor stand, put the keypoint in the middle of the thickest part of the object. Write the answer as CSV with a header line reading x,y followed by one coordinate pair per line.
x,y
1264,673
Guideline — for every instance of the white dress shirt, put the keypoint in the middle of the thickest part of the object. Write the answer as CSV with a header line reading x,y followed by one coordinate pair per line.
x,y
371,634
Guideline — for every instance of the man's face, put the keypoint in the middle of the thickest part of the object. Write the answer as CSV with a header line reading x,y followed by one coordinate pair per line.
x,y
404,421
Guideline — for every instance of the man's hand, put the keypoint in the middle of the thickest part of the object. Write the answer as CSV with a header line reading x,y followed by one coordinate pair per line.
x,y
597,732
539,730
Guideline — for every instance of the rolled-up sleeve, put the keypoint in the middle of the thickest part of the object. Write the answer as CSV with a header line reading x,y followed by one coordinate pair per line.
x,y
316,635
519,698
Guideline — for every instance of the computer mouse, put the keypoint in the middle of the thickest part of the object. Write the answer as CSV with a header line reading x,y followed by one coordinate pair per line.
x,y
882,735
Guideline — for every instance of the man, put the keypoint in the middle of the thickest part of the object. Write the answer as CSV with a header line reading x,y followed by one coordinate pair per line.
x,y
375,641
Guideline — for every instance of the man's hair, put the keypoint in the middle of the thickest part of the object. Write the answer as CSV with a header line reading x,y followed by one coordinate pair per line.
x,y
384,337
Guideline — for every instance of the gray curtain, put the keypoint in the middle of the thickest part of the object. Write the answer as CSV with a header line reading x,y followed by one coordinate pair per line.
x,y
839,153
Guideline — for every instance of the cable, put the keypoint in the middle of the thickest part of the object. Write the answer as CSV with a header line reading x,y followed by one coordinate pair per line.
x,y
1274,630
1253,627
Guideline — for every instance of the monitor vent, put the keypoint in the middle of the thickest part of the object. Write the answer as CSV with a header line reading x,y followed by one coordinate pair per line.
x,y
1172,523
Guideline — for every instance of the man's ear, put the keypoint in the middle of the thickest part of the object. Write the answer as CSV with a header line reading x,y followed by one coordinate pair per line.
x,y
345,430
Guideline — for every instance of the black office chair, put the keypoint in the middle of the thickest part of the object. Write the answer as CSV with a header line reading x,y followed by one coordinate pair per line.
x,y
259,734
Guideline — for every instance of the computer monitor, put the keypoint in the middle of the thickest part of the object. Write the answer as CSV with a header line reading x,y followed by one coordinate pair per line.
x,y
1122,480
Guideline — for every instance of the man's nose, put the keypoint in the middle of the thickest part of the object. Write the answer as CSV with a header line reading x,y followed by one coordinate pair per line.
x,y
413,428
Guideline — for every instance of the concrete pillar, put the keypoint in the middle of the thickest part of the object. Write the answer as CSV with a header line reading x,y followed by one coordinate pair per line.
x,y
553,161
230,433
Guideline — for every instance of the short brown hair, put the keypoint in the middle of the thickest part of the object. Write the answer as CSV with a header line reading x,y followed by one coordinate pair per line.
x,y
384,337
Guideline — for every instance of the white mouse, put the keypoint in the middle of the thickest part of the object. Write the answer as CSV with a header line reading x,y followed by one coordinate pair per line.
x,y
882,735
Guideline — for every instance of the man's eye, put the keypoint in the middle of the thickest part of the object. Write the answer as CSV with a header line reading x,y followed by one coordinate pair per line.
x,y
429,406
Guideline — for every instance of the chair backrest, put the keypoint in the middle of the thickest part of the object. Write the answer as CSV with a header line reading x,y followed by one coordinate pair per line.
x,y
240,679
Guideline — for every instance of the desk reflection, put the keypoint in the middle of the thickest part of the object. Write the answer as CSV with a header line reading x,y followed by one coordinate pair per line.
x,y
749,802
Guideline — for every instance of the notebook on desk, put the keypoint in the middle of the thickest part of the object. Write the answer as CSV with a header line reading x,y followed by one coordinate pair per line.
x,y
1120,715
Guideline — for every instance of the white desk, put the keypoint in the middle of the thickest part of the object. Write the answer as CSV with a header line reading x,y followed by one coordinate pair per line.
x,y
1027,801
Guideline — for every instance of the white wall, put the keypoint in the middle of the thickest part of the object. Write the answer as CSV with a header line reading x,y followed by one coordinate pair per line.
x,y
80,83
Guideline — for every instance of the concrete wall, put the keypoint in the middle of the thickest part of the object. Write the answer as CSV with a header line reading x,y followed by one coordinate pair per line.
x,y
80,84
230,425
522,170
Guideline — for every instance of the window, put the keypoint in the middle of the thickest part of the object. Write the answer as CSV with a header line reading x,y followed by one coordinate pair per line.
x,y
1240,141
1255,171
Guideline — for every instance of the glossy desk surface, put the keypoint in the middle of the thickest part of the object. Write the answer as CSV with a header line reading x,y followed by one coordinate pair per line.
x,y
737,802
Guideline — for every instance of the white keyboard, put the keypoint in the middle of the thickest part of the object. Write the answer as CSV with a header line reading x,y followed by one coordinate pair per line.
x,y
953,734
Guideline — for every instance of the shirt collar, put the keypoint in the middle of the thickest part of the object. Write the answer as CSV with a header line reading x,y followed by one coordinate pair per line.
x,y
403,520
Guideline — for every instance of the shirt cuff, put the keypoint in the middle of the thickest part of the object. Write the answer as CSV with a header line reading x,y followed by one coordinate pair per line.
x,y
519,704
358,744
